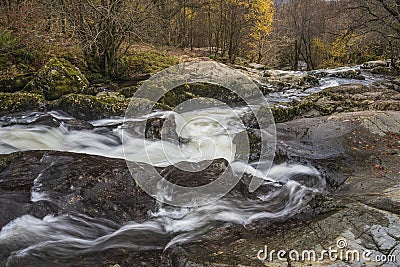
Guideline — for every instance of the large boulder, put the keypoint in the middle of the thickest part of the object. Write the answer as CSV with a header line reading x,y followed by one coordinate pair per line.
x,y
20,101
56,78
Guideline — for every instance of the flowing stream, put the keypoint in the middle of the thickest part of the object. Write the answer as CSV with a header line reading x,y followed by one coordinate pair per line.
x,y
31,241
69,236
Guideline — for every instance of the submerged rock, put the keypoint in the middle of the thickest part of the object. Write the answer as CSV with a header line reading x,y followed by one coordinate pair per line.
x,y
56,78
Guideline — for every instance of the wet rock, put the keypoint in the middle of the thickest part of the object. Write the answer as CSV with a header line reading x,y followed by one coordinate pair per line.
x,y
284,80
20,101
56,78
375,64
209,95
88,107
154,129
345,98
191,174
380,70
248,145
389,84
14,83
92,185
344,72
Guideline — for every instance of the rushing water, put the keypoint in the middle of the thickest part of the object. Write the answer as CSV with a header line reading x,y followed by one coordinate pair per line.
x,y
209,133
30,241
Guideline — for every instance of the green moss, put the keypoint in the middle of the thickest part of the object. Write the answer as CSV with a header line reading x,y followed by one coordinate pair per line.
x,y
143,62
14,83
20,101
56,78
89,107
203,90
128,91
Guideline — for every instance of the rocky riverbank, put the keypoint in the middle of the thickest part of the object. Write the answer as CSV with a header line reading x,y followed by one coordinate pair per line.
x,y
89,211
60,86
356,153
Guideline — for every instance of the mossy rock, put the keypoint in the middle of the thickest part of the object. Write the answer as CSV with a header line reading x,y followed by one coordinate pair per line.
x,y
89,107
344,98
145,62
284,113
15,83
128,91
380,70
289,80
56,78
201,90
20,101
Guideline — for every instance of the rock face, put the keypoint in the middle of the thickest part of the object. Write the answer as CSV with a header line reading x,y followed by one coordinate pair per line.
x,y
56,78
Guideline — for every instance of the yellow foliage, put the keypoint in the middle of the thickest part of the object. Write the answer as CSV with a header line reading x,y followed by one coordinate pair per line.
x,y
340,47
260,14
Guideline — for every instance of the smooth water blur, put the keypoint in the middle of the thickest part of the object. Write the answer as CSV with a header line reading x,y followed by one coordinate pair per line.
x,y
206,135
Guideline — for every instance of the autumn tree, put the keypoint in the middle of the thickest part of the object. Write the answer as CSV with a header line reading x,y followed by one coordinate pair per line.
x,y
302,22
103,27
377,16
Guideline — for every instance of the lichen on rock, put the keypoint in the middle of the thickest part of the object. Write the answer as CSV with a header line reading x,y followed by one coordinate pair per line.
x,y
88,107
344,98
56,78
20,101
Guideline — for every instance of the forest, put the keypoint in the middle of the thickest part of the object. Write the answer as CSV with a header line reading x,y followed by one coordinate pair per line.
x,y
117,39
